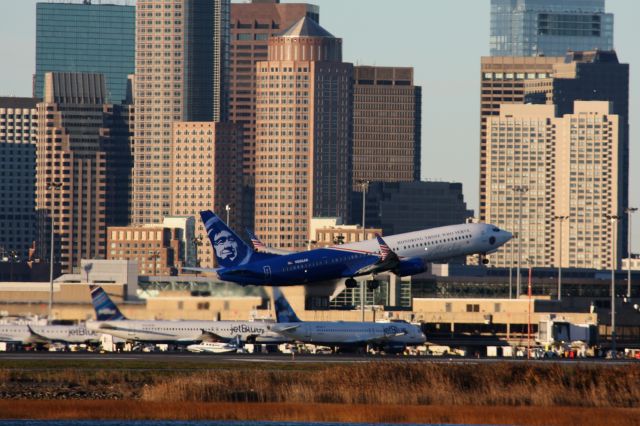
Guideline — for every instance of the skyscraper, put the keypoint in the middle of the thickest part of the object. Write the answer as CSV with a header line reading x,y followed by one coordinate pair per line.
x,y
18,130
387,113
70,167
251,26
549,27
180,51
85,37
207,174
593,76
568,167
502,81
303,134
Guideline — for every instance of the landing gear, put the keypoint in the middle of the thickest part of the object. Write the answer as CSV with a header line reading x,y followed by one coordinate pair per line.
x,y
483,259
351,283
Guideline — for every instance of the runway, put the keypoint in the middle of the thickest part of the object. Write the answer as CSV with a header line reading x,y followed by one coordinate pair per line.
x,y
184,357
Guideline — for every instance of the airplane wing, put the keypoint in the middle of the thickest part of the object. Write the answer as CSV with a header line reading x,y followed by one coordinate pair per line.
x,y
388,260
209,336
209,270
285,329
39,337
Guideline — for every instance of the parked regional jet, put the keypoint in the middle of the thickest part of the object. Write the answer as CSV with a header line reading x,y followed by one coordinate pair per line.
x,y
404,254
111,321
391,336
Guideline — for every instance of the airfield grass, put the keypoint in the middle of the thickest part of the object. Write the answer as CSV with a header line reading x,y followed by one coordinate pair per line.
x,y
376,391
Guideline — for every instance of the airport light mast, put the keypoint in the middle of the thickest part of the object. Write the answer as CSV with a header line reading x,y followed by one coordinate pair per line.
x,y
53,187
560,219
613,219
520,190
629,211
365,185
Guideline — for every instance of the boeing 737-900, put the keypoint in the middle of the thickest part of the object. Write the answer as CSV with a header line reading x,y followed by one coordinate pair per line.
x,y
404,254
390,336
110,320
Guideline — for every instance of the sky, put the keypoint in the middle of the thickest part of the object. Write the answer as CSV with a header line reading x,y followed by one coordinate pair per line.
x,y
442,39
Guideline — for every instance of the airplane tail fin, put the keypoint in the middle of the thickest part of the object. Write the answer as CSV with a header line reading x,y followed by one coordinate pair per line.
x,y
284,311
105,309
385,251
228,248
257,244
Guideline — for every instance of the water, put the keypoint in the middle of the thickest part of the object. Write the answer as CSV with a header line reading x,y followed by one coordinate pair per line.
x,y
178,423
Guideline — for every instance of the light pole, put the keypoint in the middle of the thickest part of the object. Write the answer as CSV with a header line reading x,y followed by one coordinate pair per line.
x,y
227,207
529,294
560,219
520,190
613,219
365,186
511,272
53,187
629,211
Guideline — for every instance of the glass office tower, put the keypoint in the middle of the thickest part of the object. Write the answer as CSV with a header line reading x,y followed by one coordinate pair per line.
x,y
98,38
549,27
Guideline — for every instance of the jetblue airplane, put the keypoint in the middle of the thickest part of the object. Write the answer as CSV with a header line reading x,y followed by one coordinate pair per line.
x,y
403,254
25,334
111,321
390,336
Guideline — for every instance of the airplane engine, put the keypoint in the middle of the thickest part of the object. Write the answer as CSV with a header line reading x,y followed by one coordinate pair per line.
x,y
411,266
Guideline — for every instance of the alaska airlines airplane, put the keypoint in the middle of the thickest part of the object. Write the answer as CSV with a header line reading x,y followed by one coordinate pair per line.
x,y
403,254
111,321
393,336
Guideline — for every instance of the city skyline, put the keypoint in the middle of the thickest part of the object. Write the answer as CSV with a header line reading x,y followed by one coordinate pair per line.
x,y
450,107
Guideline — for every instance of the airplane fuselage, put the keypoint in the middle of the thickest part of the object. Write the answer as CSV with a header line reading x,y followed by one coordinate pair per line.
x,y
185,332
414,249
352,333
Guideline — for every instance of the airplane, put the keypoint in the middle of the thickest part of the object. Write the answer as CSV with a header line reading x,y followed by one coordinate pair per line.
x,y
26,334
216,347
111,321
390,336
403,254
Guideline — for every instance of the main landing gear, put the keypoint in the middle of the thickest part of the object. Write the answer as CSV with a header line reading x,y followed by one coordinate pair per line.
x,y
351,283
483,259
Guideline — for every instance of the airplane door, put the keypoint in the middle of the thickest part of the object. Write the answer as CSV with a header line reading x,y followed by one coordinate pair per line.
x,y
267,272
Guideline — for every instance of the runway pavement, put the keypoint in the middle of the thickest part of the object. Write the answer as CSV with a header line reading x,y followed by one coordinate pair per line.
x,y
182,357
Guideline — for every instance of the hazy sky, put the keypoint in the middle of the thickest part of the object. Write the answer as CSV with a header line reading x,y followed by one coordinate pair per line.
x,y
442,39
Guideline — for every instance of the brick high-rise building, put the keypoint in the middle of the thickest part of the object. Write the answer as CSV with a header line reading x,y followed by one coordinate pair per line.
x,y
18,130
207,174
387,113
251,26
568,166
181,54
71,167
303,134
592,76
502,81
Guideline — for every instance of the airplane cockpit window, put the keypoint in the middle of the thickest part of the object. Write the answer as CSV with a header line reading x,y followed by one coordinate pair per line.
x,y
496,229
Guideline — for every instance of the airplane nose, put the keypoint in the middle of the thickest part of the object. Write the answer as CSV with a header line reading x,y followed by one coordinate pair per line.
x,y
507,236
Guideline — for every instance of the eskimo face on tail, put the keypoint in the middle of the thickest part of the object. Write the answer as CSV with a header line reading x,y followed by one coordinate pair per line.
x,y
226,246
229,249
